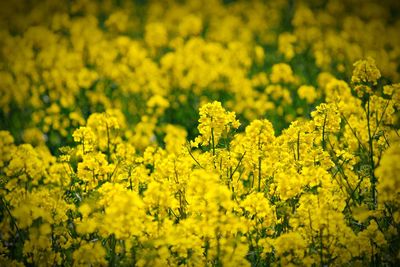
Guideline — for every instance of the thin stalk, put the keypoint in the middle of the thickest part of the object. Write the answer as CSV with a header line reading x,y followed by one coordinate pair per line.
x,y
237,166
381,118
259,165
298,145
259,173
191,155
113,256
371,155
108,143
5,205
323,133
351,129
321,251
212,141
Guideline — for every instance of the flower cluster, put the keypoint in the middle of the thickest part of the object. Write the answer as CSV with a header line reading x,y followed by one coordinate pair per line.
x,y
214,123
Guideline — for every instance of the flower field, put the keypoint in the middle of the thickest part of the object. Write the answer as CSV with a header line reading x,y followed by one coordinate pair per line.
x,y
199,133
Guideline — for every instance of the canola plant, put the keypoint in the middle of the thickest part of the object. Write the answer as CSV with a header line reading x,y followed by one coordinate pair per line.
x,y
199,133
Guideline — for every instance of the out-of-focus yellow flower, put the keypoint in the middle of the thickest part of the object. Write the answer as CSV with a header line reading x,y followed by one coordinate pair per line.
x,y
282,73
308,93
156,35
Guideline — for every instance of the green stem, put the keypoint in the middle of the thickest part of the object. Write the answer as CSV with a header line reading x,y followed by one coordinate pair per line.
x,y
371,155
298,146
259,173
5,205
113,256
83,146
237,166
323,133
321,251
108,144
191,155
212,141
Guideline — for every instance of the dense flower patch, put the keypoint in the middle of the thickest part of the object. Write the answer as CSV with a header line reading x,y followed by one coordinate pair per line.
x,y
199,133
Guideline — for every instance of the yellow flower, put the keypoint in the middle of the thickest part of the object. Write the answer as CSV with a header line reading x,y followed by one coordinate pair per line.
x,y
214,123
282,73
387,173
308,93
90,253
156,35
365,71
190,25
